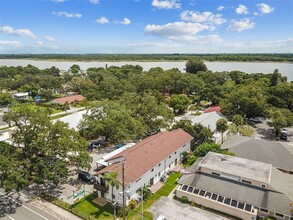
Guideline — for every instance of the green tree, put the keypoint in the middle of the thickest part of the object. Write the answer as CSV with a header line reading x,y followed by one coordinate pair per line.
x,y
74,69
194,66
5,99
237,120
12,175
222,126
203,149
278,121
111,120
179,103
45,146
111,180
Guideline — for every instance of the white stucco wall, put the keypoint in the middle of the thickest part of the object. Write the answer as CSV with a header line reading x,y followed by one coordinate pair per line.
x,y
156,172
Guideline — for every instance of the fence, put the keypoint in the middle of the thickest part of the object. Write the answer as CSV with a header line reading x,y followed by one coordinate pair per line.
x,y
66,206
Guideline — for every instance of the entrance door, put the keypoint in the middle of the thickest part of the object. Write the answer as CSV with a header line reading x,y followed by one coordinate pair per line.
x,y
152,181
176,161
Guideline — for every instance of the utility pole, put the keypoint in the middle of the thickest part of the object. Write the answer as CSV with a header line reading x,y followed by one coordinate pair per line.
x,y
123,190
142,188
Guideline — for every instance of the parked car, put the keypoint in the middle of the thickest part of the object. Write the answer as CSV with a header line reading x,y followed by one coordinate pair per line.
x,y
98,143
284,134
255,119
86,177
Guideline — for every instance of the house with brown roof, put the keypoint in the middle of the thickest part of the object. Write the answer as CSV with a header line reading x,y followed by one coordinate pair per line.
x,y
68,99
144,164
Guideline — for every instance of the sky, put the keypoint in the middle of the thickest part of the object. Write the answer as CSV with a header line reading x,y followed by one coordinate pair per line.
x,y
146,26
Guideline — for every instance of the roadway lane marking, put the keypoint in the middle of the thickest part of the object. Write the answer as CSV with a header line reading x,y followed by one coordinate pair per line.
x,y
26,207
11,217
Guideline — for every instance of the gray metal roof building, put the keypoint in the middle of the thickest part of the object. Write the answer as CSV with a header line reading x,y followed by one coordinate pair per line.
x,y
275,197
280,155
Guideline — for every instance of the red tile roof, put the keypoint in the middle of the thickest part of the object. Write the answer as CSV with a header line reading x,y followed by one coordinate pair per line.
x,y
146,154
215,108
69,99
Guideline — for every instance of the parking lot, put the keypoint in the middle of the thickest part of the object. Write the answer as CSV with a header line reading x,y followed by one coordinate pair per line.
x,y
174,210
265,132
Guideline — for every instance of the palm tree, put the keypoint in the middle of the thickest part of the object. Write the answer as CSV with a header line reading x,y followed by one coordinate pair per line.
x,y
222,126
111,180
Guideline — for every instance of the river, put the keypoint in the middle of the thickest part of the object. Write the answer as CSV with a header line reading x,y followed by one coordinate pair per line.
x,y
248,67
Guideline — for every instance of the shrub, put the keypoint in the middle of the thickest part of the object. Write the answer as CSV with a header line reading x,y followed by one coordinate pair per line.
x,y
184,199
132,204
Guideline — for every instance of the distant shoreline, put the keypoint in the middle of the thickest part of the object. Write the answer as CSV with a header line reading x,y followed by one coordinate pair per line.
x,y
144,61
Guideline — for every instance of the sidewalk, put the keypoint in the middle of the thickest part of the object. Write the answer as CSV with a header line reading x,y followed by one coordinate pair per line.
x,y
54,210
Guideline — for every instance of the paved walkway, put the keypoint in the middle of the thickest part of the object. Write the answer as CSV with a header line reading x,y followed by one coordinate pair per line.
x,y
55,210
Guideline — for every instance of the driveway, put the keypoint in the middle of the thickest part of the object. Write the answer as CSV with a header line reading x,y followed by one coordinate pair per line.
x,y
174,210
264,132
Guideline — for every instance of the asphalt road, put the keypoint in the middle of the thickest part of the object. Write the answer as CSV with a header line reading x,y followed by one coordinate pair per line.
x,y
10,209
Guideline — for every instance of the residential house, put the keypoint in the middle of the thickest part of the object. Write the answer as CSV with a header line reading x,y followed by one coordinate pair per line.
x,y
145,163
239,187
21,95
279,154
208,120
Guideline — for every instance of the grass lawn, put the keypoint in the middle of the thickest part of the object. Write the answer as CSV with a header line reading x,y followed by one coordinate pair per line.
x,y
35,107
169,185
86,206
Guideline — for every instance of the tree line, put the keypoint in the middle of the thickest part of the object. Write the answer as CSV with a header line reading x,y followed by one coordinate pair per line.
x,y
155,57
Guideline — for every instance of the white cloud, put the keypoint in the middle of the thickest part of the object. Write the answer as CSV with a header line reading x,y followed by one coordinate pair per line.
x,y
175,29
102,20
125,21
39,44
50,38
242,9
241,25
58,1
66,14
17,32
10,43
221,8
94,1
153,44
166,4
264,8
204,17
197,39
255,13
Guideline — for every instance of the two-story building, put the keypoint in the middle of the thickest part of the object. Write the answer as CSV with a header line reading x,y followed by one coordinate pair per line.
x,y
239,187
144,164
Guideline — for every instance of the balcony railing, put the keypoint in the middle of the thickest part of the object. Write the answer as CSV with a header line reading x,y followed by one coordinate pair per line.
x,y
99,187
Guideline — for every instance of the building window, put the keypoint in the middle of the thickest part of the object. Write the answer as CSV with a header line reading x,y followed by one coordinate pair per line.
x,y
169,156
175,152
214,197
113,196
263,185
264,210
159,173
279,215
227,201
217,174
220,199
246,181
248,207
234,203
152,170
159,164
241,205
